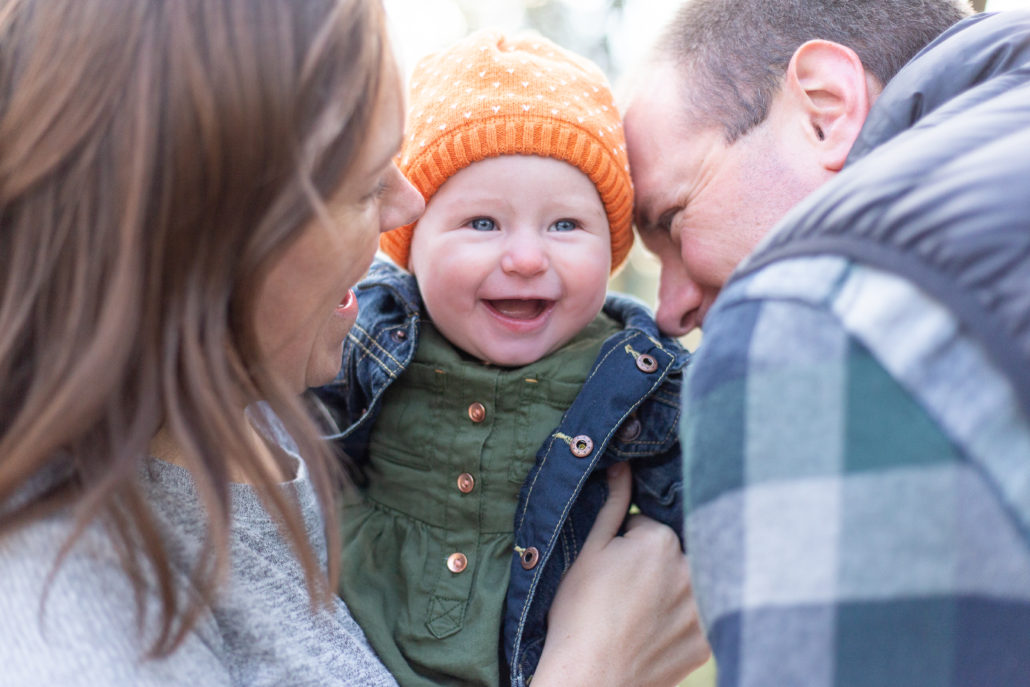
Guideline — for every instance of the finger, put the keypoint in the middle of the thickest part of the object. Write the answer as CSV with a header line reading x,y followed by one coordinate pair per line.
x,y
639,520
639,525
613,512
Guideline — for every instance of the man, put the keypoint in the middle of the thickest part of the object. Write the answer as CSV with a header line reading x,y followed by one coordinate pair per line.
x,y
857,421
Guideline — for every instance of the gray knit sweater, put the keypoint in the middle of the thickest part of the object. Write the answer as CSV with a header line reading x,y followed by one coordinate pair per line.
x,y
261,630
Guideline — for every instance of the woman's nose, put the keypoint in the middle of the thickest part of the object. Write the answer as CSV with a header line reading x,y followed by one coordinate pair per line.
x,y
403,206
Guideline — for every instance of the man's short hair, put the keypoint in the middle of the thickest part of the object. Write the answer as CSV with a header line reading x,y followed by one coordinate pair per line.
x,y
735,52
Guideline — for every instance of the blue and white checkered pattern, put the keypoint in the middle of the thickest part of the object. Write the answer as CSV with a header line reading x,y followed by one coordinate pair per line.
x,y
858,484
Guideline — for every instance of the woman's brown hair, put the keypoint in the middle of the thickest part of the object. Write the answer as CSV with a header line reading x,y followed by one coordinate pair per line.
x,y
156,158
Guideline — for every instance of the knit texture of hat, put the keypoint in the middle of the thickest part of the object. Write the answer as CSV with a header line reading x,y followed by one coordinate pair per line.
x,y
491,95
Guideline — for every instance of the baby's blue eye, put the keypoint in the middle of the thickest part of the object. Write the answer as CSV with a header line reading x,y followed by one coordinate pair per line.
x,y
483,224
563,225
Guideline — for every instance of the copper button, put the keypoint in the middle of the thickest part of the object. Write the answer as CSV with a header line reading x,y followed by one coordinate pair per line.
x,y
457,562
581,446
477,412
530,557
466,483
646,363
630,429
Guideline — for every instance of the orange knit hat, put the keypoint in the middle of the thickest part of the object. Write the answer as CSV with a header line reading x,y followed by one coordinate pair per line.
x,y
491,95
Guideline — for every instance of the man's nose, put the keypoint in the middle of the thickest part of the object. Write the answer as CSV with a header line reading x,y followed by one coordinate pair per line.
x,y
524,254
679,300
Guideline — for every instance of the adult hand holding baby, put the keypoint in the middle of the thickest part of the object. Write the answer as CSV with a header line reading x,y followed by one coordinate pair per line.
x,y
634,589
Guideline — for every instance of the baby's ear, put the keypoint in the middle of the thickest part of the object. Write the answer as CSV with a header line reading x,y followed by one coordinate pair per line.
x,y
831,88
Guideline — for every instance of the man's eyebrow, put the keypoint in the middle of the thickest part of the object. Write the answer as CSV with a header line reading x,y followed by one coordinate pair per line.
x,y
641,218
665,219
660,224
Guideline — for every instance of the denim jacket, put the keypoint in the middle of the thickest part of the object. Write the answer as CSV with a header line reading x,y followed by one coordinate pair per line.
x,y
628,409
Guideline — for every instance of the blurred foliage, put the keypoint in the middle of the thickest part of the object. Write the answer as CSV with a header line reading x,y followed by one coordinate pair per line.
x,y
702,677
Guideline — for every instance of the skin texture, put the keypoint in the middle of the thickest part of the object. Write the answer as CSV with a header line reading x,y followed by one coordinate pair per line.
x,y
306,306
702,205
651,575
512,257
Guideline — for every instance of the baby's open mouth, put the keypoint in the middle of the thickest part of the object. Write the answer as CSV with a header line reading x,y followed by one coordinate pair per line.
x,y
519,309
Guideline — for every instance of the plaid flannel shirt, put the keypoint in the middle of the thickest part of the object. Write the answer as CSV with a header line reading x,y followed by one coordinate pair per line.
x,y
858,487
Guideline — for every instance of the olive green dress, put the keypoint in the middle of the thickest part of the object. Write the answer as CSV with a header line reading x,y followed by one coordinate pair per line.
x,y
427,549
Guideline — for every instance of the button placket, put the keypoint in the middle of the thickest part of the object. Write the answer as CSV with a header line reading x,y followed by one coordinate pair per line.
x,y
462,440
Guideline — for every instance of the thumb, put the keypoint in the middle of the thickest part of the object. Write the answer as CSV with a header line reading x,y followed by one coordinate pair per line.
x,y
613,512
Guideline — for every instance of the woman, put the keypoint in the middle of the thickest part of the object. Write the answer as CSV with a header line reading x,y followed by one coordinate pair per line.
x,y
188,190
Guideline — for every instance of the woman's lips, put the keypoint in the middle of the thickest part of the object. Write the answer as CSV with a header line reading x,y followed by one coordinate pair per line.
x,y
349,305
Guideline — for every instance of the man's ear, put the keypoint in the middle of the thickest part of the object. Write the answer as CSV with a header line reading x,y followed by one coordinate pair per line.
x,y
828,82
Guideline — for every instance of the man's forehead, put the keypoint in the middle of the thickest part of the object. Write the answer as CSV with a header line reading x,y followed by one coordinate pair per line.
x,y
663,81
651,138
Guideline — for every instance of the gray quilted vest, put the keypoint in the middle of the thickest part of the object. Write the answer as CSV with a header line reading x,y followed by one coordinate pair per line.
x,y
937,187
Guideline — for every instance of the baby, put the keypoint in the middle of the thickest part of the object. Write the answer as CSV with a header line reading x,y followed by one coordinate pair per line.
x,y
486,389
